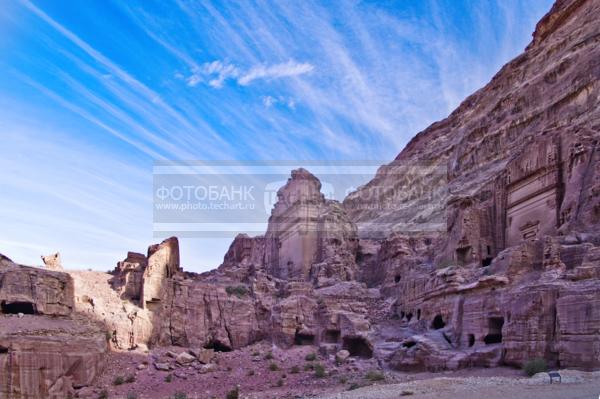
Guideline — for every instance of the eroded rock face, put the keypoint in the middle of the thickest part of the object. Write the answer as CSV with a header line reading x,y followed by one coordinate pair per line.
x,y
309,237
521,147
46,358
214,316
31,290
163,264
499,285
125,323
45,348
129,275
53,261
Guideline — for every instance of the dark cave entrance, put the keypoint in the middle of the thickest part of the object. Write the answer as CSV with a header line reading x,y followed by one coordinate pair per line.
x,y
332,336
408,344
494,335
18,307
3,350
217,346
438,322
488,259
463,255
471,339
303,338
358,346
397,278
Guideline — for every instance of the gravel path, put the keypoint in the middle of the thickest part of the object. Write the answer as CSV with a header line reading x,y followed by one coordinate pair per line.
x,y
576,385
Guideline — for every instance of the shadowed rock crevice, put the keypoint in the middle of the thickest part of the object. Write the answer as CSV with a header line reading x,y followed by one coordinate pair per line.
x,y
358,346
17,307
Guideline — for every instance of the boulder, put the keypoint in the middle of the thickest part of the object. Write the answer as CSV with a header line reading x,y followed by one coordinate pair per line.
x,y
184,358
162,366
341,356
53,261
203,355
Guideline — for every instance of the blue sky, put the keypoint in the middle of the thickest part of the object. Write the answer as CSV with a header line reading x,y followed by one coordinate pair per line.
x,y
92,92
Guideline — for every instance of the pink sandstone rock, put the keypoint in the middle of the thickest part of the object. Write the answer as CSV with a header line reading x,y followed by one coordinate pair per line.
x,y
53,261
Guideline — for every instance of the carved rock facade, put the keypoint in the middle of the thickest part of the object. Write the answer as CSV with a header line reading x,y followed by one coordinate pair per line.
x,y
511,278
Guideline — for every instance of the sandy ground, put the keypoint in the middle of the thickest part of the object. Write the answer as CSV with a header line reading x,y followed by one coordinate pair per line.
x,y
575,385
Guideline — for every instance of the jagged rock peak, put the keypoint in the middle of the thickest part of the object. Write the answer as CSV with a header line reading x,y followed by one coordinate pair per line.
x,y
302,187
52,261
560,13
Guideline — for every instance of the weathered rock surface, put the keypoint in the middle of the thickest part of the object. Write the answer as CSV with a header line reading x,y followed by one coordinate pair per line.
x,y
45,349
53,261
309,237
510,277
31,290
125,323
128,276
163,264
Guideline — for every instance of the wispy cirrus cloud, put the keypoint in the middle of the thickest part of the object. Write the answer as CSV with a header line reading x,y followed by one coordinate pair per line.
x,y
283,70
215,73
270,101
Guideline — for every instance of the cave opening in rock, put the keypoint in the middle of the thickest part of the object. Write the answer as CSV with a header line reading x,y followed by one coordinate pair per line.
x,y
303,338
408,344
418,314
358,346
409,316
3,349
438,322
494,335
332,336
463,255
217,346
471,338
486,262
18,307
397,278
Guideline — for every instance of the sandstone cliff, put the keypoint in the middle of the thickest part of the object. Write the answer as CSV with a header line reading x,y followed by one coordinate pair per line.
x,y
522,208
46,350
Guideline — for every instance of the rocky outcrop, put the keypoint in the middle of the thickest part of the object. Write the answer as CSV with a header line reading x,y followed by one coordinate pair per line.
x,y
222,317
130,301
53,261
45,349
309,237
128,276
125,323
31,290
163,264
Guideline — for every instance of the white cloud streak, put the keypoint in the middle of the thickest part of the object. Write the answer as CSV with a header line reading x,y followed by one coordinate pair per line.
x,y
215,73
283,70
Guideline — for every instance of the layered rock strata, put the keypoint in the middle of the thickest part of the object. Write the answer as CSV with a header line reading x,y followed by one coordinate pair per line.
x,y
46,350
